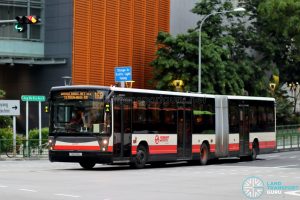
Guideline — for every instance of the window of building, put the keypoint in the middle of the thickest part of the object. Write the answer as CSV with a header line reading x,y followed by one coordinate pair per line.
x,y
10,9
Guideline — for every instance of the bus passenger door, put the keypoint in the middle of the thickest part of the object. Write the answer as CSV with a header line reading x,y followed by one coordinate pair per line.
x,y
244,129
184,133
122,129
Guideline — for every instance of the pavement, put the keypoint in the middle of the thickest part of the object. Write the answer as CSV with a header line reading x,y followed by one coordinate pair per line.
x,y
225,179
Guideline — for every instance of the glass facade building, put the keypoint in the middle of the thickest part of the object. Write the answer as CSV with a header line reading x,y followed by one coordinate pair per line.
x,y
10,9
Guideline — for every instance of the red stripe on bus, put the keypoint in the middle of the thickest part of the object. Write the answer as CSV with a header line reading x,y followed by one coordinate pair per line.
x,y
267,144
89,148
133,150
196,148
110,148
212,148
234,147
158,149
162,149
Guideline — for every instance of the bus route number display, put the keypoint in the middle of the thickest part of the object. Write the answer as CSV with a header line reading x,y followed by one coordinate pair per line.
x,y
82,95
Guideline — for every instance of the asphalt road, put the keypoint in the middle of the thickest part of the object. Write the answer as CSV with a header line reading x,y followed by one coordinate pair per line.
x,y
226,179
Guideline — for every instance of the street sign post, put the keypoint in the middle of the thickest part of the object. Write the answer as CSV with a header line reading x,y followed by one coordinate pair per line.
x,y
123,74
33,98
11,108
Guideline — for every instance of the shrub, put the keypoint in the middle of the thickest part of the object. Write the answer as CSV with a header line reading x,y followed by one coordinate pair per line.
x,y
34,136
5,122
6,139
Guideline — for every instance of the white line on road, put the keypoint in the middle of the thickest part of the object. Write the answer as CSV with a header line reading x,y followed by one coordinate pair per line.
x,y
3,186
272,156
27,190
293,157
294,193
286,166
283,176
67,195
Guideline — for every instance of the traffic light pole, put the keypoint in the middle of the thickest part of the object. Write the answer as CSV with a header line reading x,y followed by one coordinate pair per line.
x,y
8,21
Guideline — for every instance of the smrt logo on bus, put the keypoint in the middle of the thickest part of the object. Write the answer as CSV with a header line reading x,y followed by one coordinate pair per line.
x,y
162,138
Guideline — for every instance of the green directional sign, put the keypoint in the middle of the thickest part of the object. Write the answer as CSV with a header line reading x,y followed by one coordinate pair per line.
x,y
33,98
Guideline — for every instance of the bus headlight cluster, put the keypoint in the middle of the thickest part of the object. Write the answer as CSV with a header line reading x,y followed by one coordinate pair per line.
x,y
51,142
105,141
104,144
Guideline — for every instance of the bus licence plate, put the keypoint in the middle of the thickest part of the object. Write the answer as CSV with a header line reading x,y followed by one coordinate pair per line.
x,y
75,154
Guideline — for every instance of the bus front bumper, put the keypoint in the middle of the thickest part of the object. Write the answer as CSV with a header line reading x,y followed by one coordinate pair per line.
x,y
80,156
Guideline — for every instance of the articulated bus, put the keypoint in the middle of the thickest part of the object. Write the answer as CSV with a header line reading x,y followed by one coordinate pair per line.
x,y
137,126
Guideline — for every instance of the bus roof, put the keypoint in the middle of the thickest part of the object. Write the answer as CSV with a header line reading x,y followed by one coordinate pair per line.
x,y
147,91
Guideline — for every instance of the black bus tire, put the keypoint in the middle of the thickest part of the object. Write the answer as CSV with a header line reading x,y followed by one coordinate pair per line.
x,y
204,154
254,151
87,164
140,158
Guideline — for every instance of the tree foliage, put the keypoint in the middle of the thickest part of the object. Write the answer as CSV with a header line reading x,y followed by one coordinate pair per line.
x,y
227,67
274,33
2,94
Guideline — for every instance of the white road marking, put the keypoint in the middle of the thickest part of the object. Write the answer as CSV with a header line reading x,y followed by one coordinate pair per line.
x,y
274,156
293,193
293,157
283,176
3,186
286,166
27,190
67,195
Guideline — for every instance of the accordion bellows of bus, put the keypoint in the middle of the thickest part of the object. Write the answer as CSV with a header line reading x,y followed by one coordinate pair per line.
x,y
113,125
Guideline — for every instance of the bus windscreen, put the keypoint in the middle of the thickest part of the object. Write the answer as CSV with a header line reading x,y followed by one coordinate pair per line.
x,y
80,112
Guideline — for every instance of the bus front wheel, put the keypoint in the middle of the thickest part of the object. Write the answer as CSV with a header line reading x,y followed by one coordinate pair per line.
x,y
254,151
204,154
140,158
87,165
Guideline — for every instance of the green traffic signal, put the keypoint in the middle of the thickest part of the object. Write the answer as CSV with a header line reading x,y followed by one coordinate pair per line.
x,y
20,27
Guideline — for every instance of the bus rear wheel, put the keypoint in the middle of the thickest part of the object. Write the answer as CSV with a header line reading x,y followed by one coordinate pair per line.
x,y
87,164
140,158
204,154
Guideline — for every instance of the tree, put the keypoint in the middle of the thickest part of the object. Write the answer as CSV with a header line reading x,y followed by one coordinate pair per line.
x,y
2,94
227,68
274,34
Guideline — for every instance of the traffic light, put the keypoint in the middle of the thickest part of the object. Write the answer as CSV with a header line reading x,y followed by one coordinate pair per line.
x,y
20,27
22,22
27,19
46,108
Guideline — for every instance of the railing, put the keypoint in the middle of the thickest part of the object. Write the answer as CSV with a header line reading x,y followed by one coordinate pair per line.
x,y
288,137
23,149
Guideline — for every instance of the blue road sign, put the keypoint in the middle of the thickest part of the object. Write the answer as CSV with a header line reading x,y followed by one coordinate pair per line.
x,y
123,74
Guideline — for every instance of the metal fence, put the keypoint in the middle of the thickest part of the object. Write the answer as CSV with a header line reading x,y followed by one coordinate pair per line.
x,y
23,149
288,137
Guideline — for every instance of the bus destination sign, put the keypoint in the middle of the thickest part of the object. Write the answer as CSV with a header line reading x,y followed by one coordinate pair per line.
x,y
82,95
